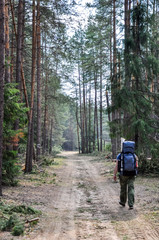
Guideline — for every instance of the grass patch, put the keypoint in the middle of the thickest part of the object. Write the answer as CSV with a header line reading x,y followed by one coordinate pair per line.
x,y
153,216
150,184
81,185
58,162
43,176
89,200
81,210
100,156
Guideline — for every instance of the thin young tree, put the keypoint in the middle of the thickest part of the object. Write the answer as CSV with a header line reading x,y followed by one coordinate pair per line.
x,y
101,103
2,74
77,122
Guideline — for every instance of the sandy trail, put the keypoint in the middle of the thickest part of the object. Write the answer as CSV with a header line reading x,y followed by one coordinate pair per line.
x,y
84,205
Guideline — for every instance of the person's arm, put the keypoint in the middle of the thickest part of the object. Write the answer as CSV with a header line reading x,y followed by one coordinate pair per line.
x,y
115,170
137,159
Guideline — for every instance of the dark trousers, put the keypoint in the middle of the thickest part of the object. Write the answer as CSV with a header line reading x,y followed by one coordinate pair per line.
x,y
127,189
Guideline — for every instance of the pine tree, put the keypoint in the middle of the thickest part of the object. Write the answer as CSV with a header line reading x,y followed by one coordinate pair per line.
x,y
2,72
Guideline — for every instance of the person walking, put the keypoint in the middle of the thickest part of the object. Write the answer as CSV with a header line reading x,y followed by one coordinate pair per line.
x,y
126,165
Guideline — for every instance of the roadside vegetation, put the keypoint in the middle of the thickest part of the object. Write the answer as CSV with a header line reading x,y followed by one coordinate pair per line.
x,y
18,218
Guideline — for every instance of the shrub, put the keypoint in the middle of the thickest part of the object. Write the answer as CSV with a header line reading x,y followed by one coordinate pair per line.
x,y
10,168
18,230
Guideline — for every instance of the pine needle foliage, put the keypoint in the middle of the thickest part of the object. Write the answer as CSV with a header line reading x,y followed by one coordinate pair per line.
x,y
13,110
135,98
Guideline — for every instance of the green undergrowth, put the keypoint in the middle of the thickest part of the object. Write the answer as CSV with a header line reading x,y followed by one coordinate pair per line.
x,y
151,182
100,156
13,218
44,172
153,217
52,161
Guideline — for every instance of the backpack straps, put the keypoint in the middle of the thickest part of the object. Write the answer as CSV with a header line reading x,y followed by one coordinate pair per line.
x,y
122,164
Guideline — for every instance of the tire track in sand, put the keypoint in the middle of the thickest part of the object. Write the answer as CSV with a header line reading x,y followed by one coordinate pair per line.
x,y
85,206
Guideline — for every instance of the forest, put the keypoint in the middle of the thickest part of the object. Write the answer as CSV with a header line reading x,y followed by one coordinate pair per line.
x,y
70,84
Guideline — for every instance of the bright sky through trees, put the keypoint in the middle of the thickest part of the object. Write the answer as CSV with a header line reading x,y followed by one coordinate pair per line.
x,y
80,15
78,19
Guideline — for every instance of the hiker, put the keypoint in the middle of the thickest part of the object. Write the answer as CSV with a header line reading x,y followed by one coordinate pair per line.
x,y
126,165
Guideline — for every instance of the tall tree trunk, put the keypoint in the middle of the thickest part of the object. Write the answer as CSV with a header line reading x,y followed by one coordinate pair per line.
x,y
127,11
29,152
89,128
38,144
137,53
12,42
114,79
12,55
111,116
51,134
96,111
45,128
85,140
21,63
78,125
19,56
7,55
2,74
119,112
83,121
80,102
101,106
86,116
19,44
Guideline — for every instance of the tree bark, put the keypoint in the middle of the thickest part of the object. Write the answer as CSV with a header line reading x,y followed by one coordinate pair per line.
x,y
77,122
19,57
29,151
19,45
114,79
45,128
38,144
89,128
7,55
2,74
96,134
101,106
80,102
21,64
12,55
85,143
51,134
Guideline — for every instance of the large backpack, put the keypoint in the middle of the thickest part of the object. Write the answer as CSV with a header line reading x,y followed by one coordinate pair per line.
x,y
127,164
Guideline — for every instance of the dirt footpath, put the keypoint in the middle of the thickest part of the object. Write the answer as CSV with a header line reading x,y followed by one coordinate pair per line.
x,y
84,205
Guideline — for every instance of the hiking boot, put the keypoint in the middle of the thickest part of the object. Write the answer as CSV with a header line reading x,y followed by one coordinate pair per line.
x,y
122,204
131,207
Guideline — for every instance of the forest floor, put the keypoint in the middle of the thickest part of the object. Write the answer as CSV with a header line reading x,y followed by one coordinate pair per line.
x,y
82,203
